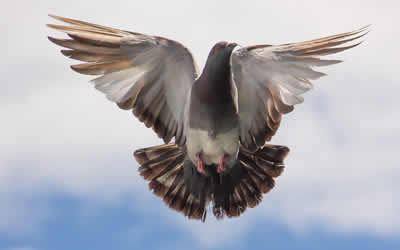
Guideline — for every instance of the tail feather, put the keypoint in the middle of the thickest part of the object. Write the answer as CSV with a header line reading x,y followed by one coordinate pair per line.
x,y
176,180
145,154
257,178
163,167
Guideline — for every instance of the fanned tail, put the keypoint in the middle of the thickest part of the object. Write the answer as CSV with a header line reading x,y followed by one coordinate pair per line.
x,y
176,180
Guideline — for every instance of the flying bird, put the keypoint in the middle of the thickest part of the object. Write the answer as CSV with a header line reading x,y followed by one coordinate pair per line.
x,y
219,119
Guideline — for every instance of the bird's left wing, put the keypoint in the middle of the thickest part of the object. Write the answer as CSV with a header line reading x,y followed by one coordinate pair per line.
x,y
149,74
270,80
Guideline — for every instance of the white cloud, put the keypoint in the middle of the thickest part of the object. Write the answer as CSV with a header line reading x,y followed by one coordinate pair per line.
x,y
60,136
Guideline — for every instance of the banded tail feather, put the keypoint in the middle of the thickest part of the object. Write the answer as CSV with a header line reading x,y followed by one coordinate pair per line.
x,y
175,179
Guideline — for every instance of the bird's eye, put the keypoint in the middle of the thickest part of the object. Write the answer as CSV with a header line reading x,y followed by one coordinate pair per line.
x,y
218,48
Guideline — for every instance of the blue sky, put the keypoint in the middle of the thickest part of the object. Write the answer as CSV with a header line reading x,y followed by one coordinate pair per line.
x,y
123,227
67,176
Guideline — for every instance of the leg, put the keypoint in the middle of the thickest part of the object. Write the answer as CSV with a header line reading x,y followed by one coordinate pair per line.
x,y
221,165
200,165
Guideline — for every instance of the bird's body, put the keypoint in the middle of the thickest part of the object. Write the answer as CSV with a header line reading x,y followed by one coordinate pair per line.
x,y
220,119
212,117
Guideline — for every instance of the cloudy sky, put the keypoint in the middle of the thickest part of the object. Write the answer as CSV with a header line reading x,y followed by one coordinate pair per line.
x,y
67,176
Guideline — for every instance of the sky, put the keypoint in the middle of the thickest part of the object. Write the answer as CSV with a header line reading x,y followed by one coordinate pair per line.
x,y
67,176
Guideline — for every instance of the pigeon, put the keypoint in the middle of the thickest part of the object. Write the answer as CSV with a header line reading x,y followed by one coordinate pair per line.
x,y
215,125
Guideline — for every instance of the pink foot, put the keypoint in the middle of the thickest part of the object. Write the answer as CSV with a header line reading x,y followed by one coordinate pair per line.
x,y
200,165
221,165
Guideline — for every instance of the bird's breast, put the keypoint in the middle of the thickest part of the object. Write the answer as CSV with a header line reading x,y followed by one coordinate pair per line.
x,y
212,148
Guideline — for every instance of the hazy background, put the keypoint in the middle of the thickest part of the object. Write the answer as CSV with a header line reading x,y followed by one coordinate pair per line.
x,y
67,176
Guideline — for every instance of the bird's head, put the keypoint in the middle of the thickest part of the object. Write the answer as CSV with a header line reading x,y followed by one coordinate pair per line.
x,y
219,57
222,49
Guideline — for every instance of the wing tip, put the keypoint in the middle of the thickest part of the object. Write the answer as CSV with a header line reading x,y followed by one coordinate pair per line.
x,y
80,68
335,61
53,16
365,28
75,68
52,39
59,18
85,68
58,41
51,26
66,52
57,27
357,34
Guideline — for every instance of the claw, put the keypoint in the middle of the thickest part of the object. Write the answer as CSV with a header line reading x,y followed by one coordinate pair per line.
x,y
221,165
200,165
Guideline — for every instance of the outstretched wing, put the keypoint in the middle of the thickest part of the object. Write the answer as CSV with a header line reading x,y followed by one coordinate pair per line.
x,y
271,79
150,75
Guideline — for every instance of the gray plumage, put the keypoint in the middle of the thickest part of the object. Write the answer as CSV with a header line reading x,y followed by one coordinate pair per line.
x,y
220,119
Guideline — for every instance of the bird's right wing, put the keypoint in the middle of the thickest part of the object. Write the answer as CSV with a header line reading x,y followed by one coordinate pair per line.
x,y
150,75
271,79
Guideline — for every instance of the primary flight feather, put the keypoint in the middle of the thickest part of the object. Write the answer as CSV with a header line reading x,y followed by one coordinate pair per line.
x,y
220,119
